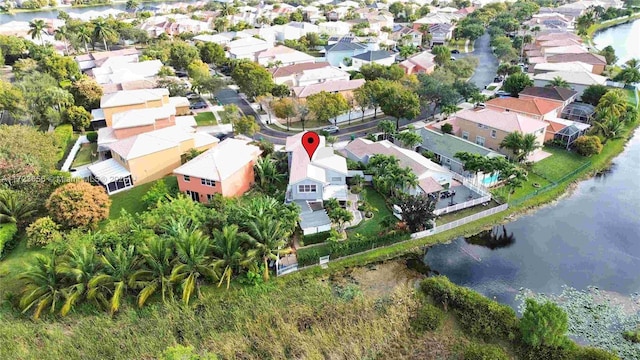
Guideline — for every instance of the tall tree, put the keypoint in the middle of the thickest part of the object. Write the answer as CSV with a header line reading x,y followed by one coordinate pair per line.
x,y
516,83
36,29
442,54
102,31
593,93
285,108
227,247
613,102
388,128
417,211
267,237
181,54
400,103
12,100
252,79
326,105
211,53
62,34
246,125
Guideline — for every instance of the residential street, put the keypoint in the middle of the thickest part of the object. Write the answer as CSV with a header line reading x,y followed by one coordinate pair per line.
x,y
488,63
230,96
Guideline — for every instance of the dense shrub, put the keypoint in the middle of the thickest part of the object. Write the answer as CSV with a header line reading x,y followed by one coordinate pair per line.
x,y
7,233
92,136
588,145
78,205
43,232
476,351
316,238
311,255
594,354
478,315
632,335
157,192
429,318
63,135
544,324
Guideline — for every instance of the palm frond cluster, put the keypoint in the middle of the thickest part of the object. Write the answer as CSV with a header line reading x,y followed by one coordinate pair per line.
x,y
168,252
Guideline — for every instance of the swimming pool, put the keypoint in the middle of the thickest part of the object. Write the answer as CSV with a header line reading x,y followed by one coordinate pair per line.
x,y
490,180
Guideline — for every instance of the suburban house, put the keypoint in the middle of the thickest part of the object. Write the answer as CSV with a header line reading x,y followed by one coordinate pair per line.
x,y
559,95
294,30
597,61
436,18
105,58
440,33
569,49
125,72
122,101
405,35
320,75
578,80
312,181
487,127
220,38
334,28
564,66
445,147
344,87
149,156
547,36
290,74
380,57
173,25
246,48
547,21
540,109
432,177
225,169
282,56
421,63
336,53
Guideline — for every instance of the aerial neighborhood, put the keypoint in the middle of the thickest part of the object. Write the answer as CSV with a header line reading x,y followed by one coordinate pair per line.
x,y
187,121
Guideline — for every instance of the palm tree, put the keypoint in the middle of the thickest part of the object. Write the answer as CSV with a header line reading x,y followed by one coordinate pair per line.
x,y
613,102
36,28
529,144
102,31
43,286
267,237
192,247
62,34
558,82
228,9
220,24
110,286
132,5
409,139
513,142
157,255
267,174
14,208
447,110
227,246
610,127
633,63
84,35
387,127
78,266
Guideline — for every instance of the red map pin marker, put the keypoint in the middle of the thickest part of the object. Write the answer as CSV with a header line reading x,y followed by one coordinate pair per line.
x,y
310,142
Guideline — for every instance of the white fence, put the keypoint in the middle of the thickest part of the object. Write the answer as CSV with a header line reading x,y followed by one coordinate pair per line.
x,y
283,270
463,205
456,223
74,151
471,185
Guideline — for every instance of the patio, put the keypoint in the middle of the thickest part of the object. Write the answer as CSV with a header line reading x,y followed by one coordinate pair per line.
x,y
462,195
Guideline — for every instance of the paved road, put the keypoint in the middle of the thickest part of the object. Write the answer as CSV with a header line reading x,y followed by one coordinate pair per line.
x,y
488,63
230,96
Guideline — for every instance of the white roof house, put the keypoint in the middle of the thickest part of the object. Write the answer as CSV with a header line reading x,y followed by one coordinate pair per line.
x,y
282,55
127,71
334,28
294,30
246,48
92,14
130,97
321,75
220,38
141,117
221,161
568,66
575,77
570,49
328,86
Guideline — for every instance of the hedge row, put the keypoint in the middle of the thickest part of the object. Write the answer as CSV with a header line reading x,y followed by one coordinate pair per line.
x,y
309,256
316,238
486,319
63,135
7,233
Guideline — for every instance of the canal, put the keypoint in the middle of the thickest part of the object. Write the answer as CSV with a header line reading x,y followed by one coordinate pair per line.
x,y
624,38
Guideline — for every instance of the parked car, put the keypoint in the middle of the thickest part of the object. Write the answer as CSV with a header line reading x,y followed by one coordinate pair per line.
x,y
198,105
503,93
447,194
181,74
452,58
331,129
192,96
455,51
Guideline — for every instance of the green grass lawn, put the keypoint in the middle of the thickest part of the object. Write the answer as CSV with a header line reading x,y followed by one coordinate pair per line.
x,y
457,215
370,227
13,264
86,155
631,97
131,200
561,163
492,87
206,118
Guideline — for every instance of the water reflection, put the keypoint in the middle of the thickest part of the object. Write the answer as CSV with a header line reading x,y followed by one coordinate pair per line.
x,y
496,238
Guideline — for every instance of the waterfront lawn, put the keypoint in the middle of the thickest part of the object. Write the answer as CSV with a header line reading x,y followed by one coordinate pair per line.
x,y
561,163
460,214
371,227
131,200
205,118
526,189
86,155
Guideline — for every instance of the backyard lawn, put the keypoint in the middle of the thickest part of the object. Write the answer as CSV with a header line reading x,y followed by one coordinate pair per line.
x,y
371,227
561,163
525,190
131,200
205,118
86,155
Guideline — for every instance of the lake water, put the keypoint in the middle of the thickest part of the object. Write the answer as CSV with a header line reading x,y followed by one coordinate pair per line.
x,y
624,38
591,237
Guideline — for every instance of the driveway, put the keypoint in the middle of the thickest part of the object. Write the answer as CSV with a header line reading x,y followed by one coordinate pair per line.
x,y
488,63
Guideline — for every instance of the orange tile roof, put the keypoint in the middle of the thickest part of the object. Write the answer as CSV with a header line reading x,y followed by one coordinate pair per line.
x,y
534,106
554,127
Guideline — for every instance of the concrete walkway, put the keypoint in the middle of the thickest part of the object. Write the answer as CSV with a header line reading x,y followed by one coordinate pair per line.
x,y
74,151
357,214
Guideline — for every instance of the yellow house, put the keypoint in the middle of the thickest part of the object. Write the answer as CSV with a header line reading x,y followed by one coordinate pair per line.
x,y
148,156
